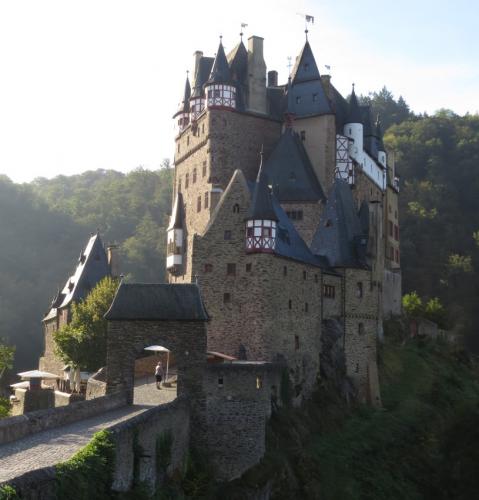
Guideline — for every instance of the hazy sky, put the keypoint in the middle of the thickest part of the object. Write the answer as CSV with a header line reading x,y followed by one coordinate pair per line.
x,y
93,83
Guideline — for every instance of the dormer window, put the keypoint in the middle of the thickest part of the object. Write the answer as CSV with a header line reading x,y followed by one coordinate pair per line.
x,y
306,66
298,99
315,97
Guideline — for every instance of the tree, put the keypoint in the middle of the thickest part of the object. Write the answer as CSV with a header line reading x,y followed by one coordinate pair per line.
x,y
412,304
434,311
7,354
82,343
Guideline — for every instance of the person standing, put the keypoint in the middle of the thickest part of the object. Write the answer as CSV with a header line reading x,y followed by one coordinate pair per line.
x,y
158,374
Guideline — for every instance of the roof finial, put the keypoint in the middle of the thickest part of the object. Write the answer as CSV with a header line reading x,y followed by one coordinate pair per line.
x,y
243,25
221,38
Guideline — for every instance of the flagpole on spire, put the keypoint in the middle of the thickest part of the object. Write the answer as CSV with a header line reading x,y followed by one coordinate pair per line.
x,y
307,19
243,25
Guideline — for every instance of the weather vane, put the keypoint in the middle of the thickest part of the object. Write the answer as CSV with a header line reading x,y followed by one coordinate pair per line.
x,y
243,26
307,19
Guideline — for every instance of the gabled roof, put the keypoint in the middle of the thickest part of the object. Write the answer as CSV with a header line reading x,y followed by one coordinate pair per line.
x,y
157,302
305,67
354,114
184,106
177,214
220,73
340,237
92,267
261,204
290,171
202,74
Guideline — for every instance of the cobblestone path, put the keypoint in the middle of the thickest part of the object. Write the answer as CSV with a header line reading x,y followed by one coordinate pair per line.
x,y
49,447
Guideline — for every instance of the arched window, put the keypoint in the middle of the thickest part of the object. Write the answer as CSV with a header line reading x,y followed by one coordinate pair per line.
x,y
236,208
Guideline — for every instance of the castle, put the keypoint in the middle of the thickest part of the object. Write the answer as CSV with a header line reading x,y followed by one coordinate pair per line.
x,y
285,214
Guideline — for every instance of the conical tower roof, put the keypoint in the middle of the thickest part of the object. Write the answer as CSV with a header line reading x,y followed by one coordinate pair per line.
x,y
262,204
184,106
305,68
354,114
177,215
221,70
202,73
379,135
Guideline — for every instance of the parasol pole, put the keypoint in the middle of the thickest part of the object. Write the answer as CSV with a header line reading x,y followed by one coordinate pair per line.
x,y
167,364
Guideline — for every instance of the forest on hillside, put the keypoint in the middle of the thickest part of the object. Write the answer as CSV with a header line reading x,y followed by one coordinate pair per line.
x,y
45,224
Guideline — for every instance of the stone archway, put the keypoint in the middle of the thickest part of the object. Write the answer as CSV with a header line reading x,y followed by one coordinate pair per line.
x,y
171,315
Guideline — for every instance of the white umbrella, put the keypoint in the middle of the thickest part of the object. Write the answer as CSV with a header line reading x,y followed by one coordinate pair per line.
x,y
160,348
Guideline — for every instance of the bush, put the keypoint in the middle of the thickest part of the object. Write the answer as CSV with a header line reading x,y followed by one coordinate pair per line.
x,y
88,474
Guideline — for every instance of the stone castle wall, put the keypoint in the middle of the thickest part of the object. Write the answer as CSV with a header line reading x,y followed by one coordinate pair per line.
x,y
308,224
50,362
239,399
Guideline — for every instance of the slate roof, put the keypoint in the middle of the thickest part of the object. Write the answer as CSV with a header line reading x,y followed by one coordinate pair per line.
x,y
177,215
341,108
238,63
157,302
340,237
290,171
308,95
202,74
261,205
92,267
184,106
220,73
354,114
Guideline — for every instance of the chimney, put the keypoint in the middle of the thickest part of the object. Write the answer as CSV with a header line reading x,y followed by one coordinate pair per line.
x,y
326,81
272,78
113,260
256,76
197,55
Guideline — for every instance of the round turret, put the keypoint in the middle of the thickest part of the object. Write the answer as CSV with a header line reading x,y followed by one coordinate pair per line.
x,y
182,116
219,89
261,221
353,127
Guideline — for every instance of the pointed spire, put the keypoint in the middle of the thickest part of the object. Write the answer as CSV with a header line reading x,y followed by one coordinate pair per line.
x,y
221,71
184,106
379,135
177,215
354,115
262,204
305,68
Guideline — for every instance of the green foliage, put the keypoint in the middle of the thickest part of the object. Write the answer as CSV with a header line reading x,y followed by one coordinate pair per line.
x,y
460,263
88,475
434,311
8,492
421,445
4,407
7,354
412,304
83,341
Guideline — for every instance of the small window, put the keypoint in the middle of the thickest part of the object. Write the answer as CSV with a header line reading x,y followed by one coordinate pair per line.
x,y
220,382
259,383
361,329
204,169
298,99
226,298
290,304
315,97
187,180
227,235
236,208
208,268
231,269
303,135
203,128
187,140
198,204
285,271
206,200
390,226
315,278
306,307
329,291
248,268
359,289
304,275
296,342
194,175
178,147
